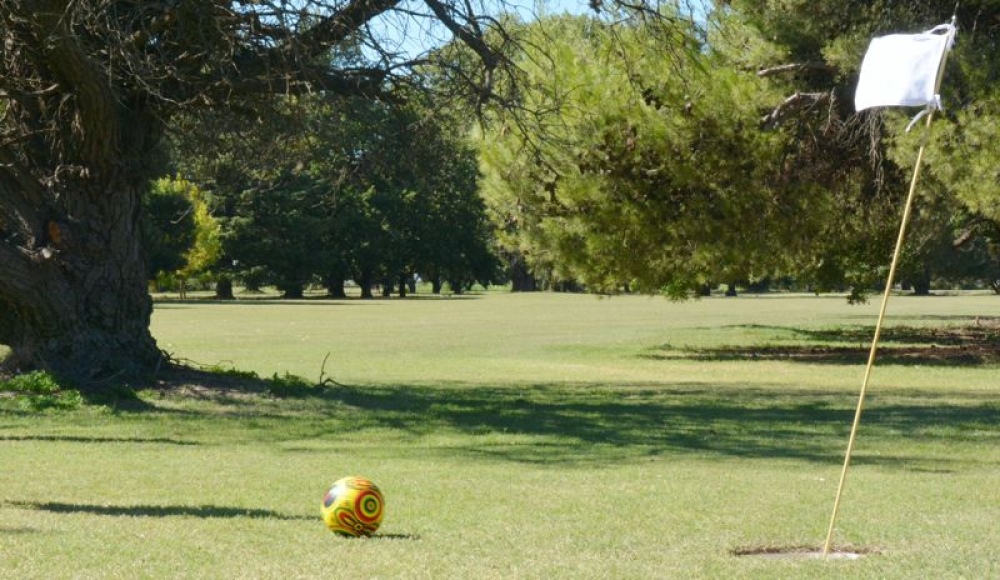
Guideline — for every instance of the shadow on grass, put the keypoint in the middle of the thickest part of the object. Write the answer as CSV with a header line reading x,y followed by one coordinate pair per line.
x,y
383,537
590,424
176,303
97,439
156,511
971,345
18,530
593,421
601,424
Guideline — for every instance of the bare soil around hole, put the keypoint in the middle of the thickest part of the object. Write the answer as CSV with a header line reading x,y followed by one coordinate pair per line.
x,y
805,552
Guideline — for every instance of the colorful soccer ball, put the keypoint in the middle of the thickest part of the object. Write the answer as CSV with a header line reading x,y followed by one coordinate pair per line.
x,y
353,506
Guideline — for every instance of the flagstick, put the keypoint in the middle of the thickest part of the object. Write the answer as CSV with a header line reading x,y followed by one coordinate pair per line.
x,y
878,332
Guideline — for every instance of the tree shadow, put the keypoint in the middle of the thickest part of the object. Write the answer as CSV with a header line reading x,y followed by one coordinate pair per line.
x,y
156,511
98,439
189,303
172,303
970,345
18,530
594,424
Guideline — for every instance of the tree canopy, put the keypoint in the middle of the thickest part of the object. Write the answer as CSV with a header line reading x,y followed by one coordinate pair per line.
x,y
743,160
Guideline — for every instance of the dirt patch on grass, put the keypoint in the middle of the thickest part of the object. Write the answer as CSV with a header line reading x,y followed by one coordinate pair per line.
x,y
969,345
805,552
196,383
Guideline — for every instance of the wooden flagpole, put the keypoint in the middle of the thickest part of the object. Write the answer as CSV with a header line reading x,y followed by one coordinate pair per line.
x,y
907,211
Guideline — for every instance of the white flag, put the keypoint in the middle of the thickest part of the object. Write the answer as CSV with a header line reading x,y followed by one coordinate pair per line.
x,y
901,70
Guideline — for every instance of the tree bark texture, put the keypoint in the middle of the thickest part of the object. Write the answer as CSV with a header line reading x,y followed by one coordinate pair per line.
x,y
73,294
75,301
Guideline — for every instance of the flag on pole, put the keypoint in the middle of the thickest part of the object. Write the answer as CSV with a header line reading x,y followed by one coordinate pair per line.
x,y
901,70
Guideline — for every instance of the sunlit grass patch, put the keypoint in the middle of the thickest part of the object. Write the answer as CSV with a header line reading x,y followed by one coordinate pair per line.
x,y
525,437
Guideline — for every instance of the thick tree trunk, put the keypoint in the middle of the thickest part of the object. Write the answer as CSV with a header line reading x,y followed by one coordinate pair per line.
x,y
76,303
292,291
522,279
365,284
73,294
335,286
224,288
922,283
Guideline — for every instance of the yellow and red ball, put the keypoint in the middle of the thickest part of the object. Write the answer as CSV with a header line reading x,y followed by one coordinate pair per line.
x,y
353,506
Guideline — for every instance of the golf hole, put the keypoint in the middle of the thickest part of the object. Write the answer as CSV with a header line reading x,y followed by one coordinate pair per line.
x,y
803,553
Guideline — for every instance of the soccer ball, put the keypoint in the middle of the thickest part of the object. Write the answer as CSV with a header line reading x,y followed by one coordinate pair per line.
x,y
353,506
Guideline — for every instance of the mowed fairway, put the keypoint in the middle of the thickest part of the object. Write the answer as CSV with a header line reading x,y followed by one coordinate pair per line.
x,y
524,436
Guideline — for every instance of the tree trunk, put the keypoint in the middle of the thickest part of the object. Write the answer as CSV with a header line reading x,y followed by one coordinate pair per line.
x,y
74,161
224,288
365,284
293,291
335,286
76,302
522,279
922,283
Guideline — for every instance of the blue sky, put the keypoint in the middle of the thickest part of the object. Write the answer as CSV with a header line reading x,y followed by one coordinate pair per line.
x,y
412,37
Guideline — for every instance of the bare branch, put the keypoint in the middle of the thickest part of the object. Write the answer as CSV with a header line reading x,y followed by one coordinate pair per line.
x,y
792,105
337,27
797,67
66,58
469,37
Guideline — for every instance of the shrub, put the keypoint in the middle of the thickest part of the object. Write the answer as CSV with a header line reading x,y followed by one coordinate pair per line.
x,y
39,390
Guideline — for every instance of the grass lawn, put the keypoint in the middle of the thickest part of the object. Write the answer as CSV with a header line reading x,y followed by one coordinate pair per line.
x,y
527,436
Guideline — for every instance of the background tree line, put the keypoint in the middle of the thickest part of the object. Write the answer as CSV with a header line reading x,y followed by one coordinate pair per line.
x,y
739,162
325,190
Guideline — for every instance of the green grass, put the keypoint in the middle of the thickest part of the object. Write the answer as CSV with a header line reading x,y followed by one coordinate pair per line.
x,y
521,436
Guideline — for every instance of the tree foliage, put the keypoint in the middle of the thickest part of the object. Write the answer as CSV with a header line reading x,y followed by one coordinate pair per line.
x,y
821,46
180,235
658,178
369,191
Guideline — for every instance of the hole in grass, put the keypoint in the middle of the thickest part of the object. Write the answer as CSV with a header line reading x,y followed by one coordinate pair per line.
x,y
805,552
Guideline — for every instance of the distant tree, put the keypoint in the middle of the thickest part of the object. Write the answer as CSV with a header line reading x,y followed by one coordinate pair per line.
x,y
382,193
207,248
276,231
180,236
168,227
